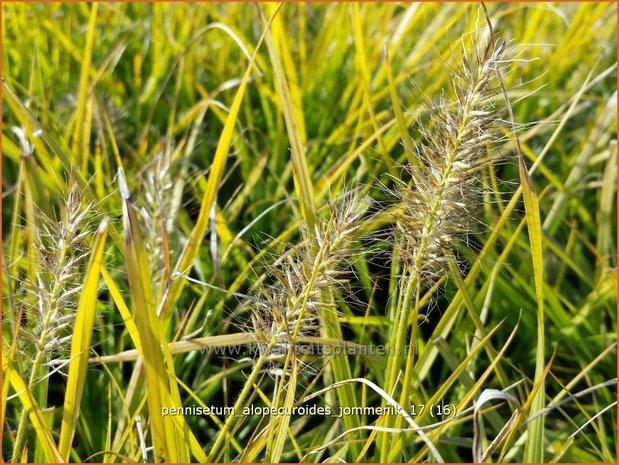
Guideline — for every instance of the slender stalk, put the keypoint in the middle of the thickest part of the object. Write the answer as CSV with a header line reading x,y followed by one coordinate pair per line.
x,y
435,205
238,405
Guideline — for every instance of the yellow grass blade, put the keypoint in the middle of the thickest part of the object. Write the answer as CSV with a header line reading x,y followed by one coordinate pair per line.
x,y
80,343
282,40
80,121
157,384
15,219
275,449
84,150
34,413
122,308
302,179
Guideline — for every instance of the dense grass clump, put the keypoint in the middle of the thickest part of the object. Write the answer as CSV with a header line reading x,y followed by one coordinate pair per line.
x,y
309,232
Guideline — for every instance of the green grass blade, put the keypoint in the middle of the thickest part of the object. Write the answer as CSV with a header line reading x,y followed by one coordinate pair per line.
x,y
606,120
403,127
210,193
608,201
534,450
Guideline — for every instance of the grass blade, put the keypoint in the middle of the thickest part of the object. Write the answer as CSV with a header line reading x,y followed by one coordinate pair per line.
x,y
534,450
606,120
78,154
210,193
117,297
275,448
303,181
34,412
80,345
403,127
157,384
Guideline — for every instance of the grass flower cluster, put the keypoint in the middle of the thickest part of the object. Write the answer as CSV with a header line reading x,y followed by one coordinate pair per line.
x,y
458,145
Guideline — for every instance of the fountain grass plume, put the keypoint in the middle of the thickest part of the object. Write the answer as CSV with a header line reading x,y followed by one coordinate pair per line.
x,y
439,197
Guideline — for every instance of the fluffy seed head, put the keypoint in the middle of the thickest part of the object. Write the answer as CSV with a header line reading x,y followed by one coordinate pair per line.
x,y
158,210
63,245
443,189
305,273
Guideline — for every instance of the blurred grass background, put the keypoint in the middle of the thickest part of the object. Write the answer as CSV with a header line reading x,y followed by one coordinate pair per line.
x,y
148,87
